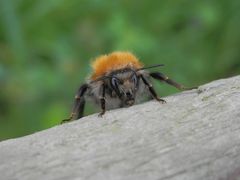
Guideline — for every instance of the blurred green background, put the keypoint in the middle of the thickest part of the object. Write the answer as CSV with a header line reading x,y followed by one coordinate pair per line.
x,y
46,47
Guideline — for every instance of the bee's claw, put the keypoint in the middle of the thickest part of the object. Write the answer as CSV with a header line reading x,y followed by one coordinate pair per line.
x,y
66,120
101,114
189,88
161,100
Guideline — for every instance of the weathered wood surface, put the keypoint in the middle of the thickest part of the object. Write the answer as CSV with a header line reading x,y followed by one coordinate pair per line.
x,y
196,135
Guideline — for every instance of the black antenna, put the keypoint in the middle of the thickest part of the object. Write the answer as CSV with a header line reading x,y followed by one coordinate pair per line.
x,y
150,67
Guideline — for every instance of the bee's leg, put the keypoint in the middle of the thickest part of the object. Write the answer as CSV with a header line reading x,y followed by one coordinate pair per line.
x,y
79,103
162,77
80,109
102,100
151,89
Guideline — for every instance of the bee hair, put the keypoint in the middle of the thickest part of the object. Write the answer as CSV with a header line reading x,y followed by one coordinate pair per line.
x,y
149,67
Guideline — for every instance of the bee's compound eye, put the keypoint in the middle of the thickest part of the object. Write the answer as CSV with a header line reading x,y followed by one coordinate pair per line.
x,y
134,79
114,82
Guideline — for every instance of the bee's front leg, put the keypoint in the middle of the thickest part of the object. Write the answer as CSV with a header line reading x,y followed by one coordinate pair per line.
x,y
102,100
151,90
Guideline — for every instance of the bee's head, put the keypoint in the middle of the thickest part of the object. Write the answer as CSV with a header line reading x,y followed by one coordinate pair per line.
x,y
125,84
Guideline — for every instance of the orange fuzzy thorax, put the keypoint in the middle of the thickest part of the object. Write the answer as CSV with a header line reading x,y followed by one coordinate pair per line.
x,y
114,61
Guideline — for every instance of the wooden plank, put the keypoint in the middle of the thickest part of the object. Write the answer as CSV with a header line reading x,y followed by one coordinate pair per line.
x,y
196,135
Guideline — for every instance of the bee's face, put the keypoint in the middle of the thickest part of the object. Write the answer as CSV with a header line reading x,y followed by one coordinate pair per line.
x,y
125,85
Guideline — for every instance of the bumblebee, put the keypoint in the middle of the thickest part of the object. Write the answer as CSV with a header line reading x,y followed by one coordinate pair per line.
x,y
118,80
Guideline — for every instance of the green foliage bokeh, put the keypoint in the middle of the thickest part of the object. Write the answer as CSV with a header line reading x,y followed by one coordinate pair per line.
x,y
46,47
